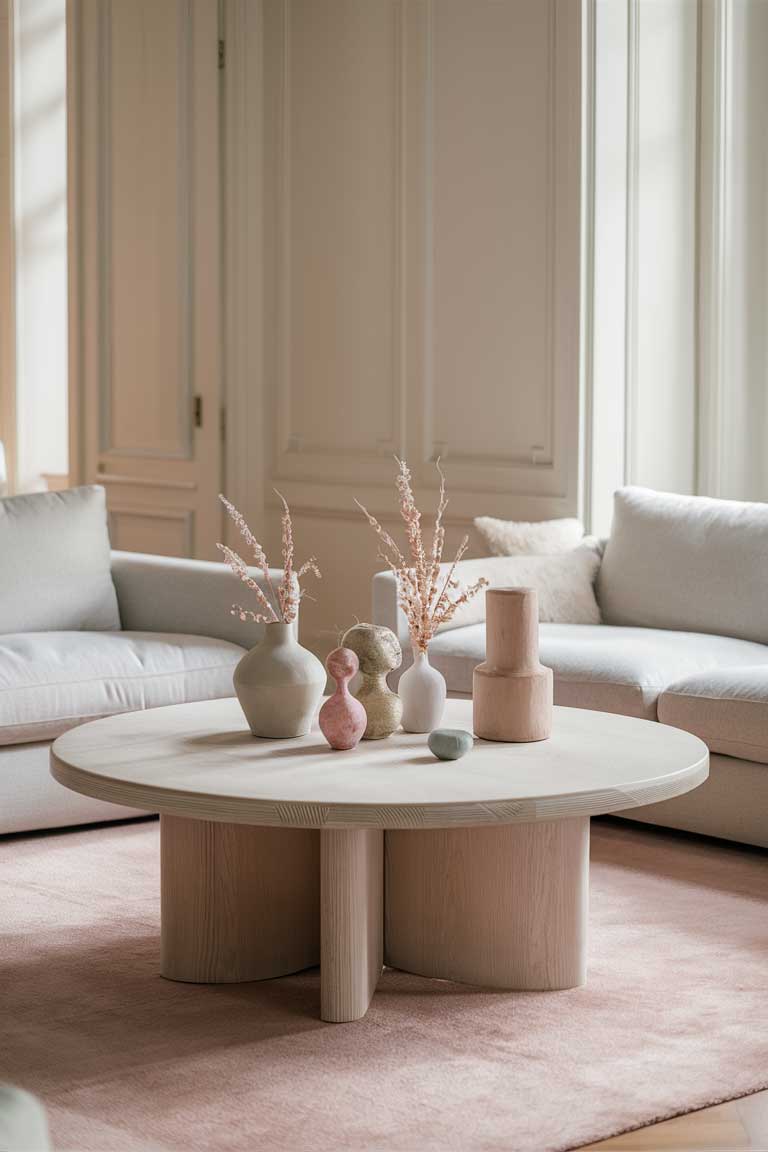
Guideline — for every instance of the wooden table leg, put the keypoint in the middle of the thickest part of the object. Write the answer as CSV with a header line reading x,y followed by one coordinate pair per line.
x,y
237,902
500,907
351,919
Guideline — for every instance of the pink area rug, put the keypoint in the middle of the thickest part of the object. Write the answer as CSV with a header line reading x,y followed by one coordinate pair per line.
x,y
675,1016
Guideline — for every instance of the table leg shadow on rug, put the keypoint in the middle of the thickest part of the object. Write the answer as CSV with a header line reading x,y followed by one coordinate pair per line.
x,y
671,1020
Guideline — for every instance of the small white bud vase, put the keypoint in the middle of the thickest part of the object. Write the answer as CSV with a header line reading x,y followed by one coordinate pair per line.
x,y
279,684
422,690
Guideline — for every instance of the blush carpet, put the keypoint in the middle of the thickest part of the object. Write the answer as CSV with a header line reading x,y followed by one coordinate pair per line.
x,y
674,1017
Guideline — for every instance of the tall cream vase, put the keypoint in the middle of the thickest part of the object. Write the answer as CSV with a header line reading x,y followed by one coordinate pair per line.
x,y
279,684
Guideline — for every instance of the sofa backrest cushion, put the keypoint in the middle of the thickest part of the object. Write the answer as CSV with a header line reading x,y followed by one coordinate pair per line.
x,y
564,583
688,563
55,564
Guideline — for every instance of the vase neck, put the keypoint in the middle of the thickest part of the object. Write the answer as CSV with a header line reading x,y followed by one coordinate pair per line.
x,y
375,682
420,655
279,633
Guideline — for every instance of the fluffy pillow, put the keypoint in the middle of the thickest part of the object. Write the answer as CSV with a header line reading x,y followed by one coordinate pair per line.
x,y
565,585
539,538
55,571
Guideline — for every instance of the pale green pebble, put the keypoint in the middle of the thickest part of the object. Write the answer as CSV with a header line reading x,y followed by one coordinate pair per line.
x,y
450,743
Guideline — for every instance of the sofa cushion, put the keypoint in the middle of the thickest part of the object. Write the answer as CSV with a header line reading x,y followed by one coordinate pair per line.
x,y
565,585
610,669
52,681
687,563
522,537
55,564
726,707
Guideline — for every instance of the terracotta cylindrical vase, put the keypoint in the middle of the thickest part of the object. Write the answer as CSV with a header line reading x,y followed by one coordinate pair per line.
x,y
512,691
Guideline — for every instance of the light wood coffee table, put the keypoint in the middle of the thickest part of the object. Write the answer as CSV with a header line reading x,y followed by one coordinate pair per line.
x,y
274,853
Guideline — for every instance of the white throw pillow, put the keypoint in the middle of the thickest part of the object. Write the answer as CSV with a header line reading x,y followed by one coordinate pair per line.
x,y
565,585
55,563
689,563
537,538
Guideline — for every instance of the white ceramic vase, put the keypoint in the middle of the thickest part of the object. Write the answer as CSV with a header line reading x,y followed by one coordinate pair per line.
x,y
279,684
422,690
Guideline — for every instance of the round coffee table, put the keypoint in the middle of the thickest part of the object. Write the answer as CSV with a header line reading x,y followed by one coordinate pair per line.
x,y
274,852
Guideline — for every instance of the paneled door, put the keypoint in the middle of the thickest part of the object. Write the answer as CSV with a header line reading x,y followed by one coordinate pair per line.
x,y
145,324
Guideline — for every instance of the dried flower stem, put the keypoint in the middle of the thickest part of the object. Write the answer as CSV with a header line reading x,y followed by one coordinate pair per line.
x,y
258,552
425,607
286,597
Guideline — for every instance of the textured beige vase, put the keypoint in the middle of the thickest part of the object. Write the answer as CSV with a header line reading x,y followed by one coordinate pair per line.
x,y
512,691
378,650
279,684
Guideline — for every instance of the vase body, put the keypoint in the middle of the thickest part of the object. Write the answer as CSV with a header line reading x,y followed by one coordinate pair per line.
x,y
279,684
512,691
422,691
378,650
342,717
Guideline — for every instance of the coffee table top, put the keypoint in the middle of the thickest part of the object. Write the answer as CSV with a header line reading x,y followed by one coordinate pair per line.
x,y
200,761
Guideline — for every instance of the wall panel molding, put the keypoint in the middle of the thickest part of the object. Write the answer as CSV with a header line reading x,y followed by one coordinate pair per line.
x,y
244,257
536,464
182,446
421,269
365,445
169,530
145,256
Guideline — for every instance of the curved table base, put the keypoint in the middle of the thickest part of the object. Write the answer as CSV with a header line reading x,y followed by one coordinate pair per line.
x,y
499,907
237,902
503,907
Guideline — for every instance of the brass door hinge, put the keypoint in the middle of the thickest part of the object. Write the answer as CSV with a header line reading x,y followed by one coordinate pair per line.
x,y
197,412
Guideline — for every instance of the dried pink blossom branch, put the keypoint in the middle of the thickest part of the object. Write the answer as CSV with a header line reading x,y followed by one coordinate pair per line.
x,y
386,539
426,601
255,617
259,554
240,569
285,590
288,593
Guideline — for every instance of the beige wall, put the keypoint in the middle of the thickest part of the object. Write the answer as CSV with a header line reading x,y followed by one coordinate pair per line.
x,y
400,188
421,271
400,196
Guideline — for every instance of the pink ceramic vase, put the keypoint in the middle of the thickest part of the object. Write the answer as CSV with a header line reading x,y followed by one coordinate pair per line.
x,y
342,717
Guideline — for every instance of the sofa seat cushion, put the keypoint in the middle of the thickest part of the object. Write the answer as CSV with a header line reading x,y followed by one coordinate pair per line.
x,y
52,681
596,666
727,708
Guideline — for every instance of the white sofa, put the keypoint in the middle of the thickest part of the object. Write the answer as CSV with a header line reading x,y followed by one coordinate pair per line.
x,y
683,594
171,640
23,1122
